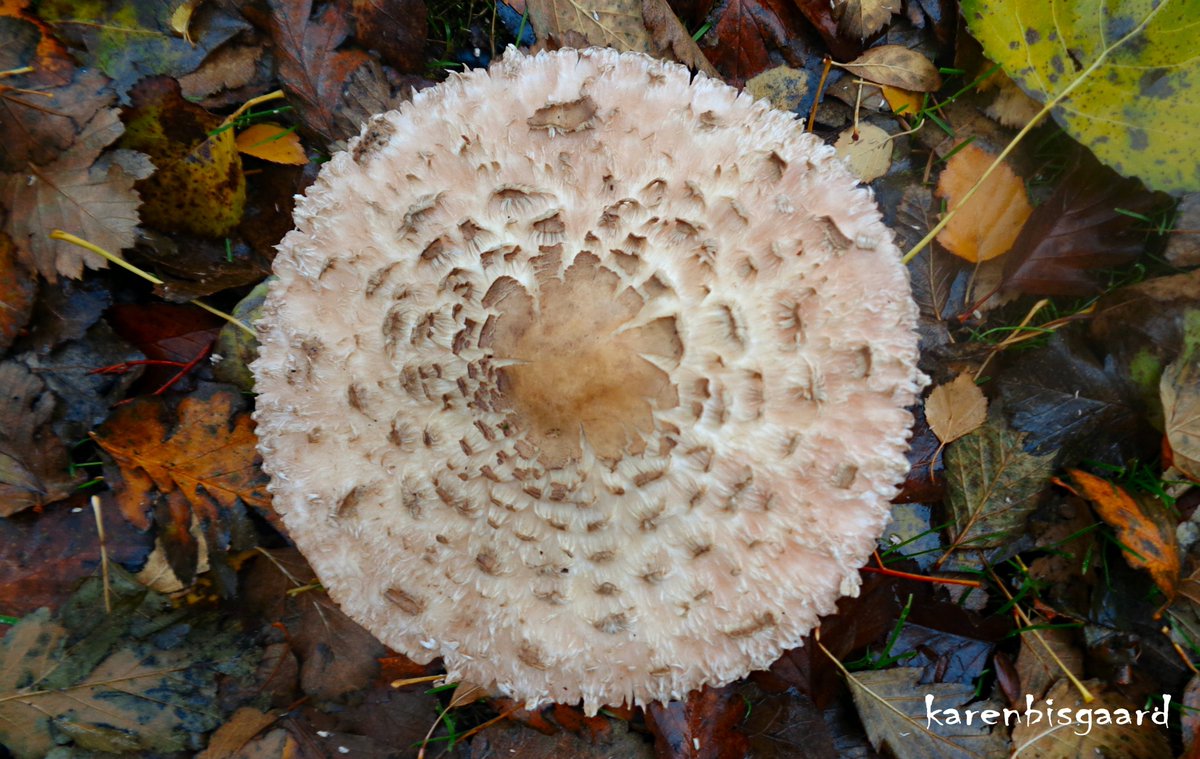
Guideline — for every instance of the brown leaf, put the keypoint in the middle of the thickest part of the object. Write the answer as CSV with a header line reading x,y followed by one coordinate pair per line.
x,y
746,33
198,187
1077,230
703,727
38,128
17,291
896,66
1036,663
33,461
199,462
860,19
94,200
1141,740
396,28
820,14
987,224
311,68
1183,247
867,151
956,408
239,730
1179,389
1143,530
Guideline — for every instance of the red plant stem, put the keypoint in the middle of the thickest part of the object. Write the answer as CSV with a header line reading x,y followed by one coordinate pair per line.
x,y
125,366
882,570
183,371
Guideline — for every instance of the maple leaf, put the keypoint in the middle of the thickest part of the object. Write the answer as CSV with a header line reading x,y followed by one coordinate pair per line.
x,y
94,200
201,465
311,69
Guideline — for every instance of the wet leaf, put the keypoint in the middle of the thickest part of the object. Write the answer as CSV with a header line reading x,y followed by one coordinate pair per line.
x,y
192,267
1043,656
860,19
1078,230
129,40
93,200
311,69
1144,530
1180,388
37,129
1183,246
235,350
892,707
702,727
272,142
992,485
34,466
1064,741
1120,76
956,408
198,187
986,225
867,150
395,28
142,678
746,35
239,730
199,462
17,291
896,66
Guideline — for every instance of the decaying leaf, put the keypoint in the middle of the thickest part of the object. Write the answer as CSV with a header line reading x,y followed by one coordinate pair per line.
x,y
1180,389
867,150
1044,653
642,26
1063,738
141,679
992,485
272,142
38,128
395,28
201,464
33,461
1144,531
746,36
892,707
987,224
860,19
783,87
896,66
1121,77
1077,231
702,726
17,291
90,199
198,187
956,408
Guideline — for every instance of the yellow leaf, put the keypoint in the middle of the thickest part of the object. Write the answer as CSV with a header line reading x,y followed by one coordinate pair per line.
x,y
956,409
986,225
902,102
272,142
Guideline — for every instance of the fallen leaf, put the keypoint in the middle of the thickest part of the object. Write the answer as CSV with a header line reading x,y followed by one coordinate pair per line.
x,y
198,462
394,28
230,68
902,102
896,66
76,194
506,739
702,727
239,730
1012,107
784,87
892,707
1066,738
34,466
992,486
1180,392
311,69
129,40
272,142
1077,231
956,408
17,291
785,725
198,187
862,18
1183,245
746,35
192,267
1145,531
867,151
820,16
39,128
986,225
1120,82
141,679
235,350
1042,658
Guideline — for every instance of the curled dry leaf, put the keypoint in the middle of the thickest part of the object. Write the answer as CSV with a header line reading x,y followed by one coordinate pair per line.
x,y
986,225
897,66
1143,530
956,409
1180,392
867,150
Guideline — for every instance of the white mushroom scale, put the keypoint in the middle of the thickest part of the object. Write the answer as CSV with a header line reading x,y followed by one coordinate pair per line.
x,y
588,377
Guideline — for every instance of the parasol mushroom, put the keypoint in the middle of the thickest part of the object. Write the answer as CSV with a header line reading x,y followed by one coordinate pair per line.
x,y
588,377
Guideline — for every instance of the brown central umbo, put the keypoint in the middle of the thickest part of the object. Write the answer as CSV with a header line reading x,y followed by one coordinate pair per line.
x,y
573,362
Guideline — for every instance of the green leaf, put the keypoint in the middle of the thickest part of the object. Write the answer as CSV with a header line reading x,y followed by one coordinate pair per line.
x,y
141,678
992,485
1120,76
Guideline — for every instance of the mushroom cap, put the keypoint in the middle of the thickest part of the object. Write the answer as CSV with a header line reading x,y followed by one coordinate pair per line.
x,y
588,377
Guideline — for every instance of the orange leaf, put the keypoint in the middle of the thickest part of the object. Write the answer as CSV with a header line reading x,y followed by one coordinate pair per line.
x,y
903,102
272,142
987,225
1148,538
